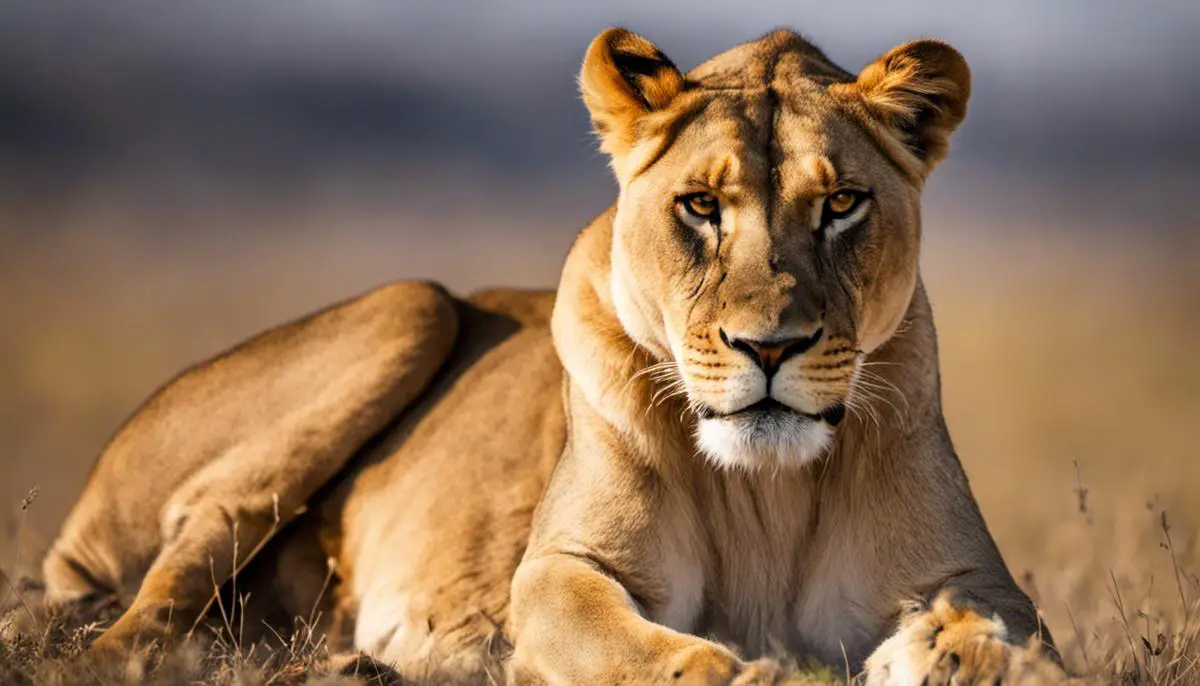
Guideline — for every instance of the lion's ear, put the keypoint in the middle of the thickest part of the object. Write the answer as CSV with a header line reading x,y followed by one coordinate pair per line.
x,y
624,77
919,92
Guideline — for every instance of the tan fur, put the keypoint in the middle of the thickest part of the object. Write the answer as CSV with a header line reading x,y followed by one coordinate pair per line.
x,y
640,544
676,537
155,523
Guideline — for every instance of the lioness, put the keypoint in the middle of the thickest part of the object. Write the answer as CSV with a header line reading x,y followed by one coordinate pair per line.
x,y
723,440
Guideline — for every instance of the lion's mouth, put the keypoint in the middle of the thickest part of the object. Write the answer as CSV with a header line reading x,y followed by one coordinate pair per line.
x,y
833,415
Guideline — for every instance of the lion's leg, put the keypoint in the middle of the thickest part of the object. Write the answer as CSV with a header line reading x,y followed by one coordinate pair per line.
x,y
602,563
230,451
575,624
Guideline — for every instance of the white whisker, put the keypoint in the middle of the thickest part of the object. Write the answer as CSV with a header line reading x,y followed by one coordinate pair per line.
x,y
869,388
875,381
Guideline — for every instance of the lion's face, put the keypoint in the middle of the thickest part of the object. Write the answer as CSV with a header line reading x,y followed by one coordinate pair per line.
x,y
767,230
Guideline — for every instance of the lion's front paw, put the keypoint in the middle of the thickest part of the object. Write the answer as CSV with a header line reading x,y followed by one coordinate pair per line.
x,y
952,645
132,632
710,664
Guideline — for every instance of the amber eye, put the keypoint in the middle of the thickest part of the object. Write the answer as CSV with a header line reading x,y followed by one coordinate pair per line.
x,y
698,208
841,203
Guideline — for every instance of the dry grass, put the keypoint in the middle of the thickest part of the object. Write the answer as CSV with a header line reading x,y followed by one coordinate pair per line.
x,y
42,647
1071,383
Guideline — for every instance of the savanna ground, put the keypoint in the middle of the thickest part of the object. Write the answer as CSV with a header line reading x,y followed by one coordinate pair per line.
x,y
1070,375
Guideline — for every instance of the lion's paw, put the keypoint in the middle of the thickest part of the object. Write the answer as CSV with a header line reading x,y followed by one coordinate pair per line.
x,y
760,672
709,664
953,645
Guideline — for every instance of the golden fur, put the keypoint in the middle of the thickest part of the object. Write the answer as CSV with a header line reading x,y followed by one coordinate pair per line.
x,y
742,446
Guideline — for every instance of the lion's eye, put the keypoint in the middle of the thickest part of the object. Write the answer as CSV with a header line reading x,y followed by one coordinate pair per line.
x,y
698,208
843,209
841,203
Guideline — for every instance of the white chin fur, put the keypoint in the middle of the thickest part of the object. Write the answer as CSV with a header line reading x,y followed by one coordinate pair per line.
x,y
766,440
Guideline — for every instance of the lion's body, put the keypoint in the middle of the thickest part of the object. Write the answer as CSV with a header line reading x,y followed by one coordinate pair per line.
x,y
678,421
421,578
433,522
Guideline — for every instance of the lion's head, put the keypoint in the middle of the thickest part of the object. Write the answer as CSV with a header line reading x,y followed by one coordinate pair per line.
x,y
766,234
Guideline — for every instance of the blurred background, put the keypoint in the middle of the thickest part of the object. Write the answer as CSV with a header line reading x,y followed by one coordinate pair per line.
x,y
176,177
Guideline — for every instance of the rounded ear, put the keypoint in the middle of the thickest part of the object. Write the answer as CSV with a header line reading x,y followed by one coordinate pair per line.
x,y
625,76
919,92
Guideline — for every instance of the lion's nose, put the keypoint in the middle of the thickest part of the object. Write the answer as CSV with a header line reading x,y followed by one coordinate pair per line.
x,y
770,355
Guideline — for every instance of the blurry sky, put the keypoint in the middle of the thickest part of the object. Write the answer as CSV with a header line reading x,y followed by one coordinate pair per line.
x,y
1083,106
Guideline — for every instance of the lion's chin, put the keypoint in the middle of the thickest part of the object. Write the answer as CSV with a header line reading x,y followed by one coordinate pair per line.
x,y
757,440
